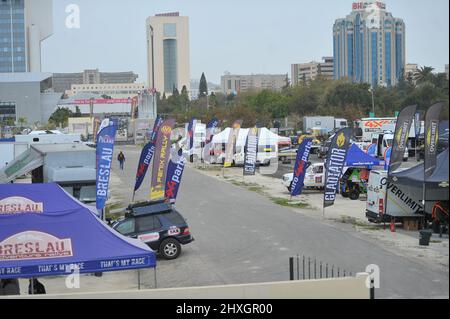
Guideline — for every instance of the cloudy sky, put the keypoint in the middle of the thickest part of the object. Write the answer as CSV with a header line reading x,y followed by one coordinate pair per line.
x,y
239,36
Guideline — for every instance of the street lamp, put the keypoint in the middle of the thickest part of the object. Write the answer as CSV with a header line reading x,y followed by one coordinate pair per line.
x,y
153,69
371,90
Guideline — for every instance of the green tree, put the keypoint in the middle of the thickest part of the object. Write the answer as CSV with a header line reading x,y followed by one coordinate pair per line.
x,y
61,116
77,112
22,121
203,87
424,75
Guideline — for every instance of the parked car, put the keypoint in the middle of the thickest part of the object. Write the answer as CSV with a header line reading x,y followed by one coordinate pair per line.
x,y
314,178
158,225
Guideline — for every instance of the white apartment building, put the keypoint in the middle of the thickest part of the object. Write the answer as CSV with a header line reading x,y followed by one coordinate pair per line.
x,y
235,84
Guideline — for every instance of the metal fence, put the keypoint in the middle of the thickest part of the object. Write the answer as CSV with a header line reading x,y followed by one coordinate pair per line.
x,y
306,268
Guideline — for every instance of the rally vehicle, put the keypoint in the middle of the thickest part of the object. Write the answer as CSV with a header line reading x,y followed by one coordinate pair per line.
x,y
157,224
314,178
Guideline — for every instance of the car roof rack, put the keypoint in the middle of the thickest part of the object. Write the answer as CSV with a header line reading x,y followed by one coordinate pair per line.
x,y
148,208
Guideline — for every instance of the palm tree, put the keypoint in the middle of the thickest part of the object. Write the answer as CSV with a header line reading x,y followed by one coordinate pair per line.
x,y
424,75
22,121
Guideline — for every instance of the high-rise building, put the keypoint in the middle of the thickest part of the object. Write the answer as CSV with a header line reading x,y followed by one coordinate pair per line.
x,y
24,24
235,84
369,45
446,70
168,52
304,72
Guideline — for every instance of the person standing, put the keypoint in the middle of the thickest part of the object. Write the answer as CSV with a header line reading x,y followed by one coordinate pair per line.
x,y
121,159
35,287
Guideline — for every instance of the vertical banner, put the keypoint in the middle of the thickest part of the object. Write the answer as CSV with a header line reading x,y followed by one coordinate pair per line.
x,y
401,135
190,134
104,157
162,153
400,143
251,152
210,127
334,164
174,174
431,138
301,165
229,150
147,154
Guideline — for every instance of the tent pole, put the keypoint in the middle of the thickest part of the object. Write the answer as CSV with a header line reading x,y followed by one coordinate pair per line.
x,y
156,283
139,279
32,286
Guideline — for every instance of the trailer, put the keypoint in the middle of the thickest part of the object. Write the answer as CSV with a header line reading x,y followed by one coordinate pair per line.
x,y
11,150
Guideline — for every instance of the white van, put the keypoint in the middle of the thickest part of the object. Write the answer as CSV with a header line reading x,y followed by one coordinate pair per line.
x,y
382,142
400,205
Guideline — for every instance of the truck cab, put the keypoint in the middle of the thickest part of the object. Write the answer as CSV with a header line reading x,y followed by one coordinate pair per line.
x,y
383,141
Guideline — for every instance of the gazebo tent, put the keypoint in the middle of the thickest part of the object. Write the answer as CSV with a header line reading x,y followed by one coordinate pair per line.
x,y
357,158
436,186
46,232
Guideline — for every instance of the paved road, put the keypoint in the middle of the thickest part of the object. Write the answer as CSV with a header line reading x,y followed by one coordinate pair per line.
x,y
241,237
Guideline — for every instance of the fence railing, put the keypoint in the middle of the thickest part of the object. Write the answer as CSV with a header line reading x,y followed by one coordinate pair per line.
x,y
306,268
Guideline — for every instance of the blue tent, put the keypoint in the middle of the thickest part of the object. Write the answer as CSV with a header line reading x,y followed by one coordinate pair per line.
x,y
46,232
357,158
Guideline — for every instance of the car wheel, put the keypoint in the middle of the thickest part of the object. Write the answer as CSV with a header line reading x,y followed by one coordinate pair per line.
x,y
354,195
170,248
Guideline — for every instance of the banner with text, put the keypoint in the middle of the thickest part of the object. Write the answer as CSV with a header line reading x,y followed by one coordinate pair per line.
x,y
251,152
104,156
301,165
334,163
162,153
147,154
229,150
432,138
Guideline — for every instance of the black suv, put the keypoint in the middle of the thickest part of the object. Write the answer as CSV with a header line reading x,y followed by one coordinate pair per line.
x,y
158,225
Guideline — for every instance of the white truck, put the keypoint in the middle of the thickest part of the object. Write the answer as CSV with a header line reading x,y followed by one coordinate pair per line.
x,y
328,123
366,127
401,204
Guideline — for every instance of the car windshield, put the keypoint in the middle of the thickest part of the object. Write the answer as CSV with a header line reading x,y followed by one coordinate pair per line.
x,y
125,227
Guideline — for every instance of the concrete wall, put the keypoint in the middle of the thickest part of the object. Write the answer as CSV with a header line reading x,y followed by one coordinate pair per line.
x,y
26,96
339,288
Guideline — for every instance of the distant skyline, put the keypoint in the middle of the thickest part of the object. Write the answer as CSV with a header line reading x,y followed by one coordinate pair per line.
x,y
241,37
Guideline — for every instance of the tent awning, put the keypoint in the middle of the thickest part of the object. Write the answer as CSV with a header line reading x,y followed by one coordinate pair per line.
x,y
46,232
357,158
21,165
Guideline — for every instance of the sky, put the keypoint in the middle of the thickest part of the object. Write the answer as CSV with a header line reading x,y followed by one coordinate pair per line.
x,y
238,36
